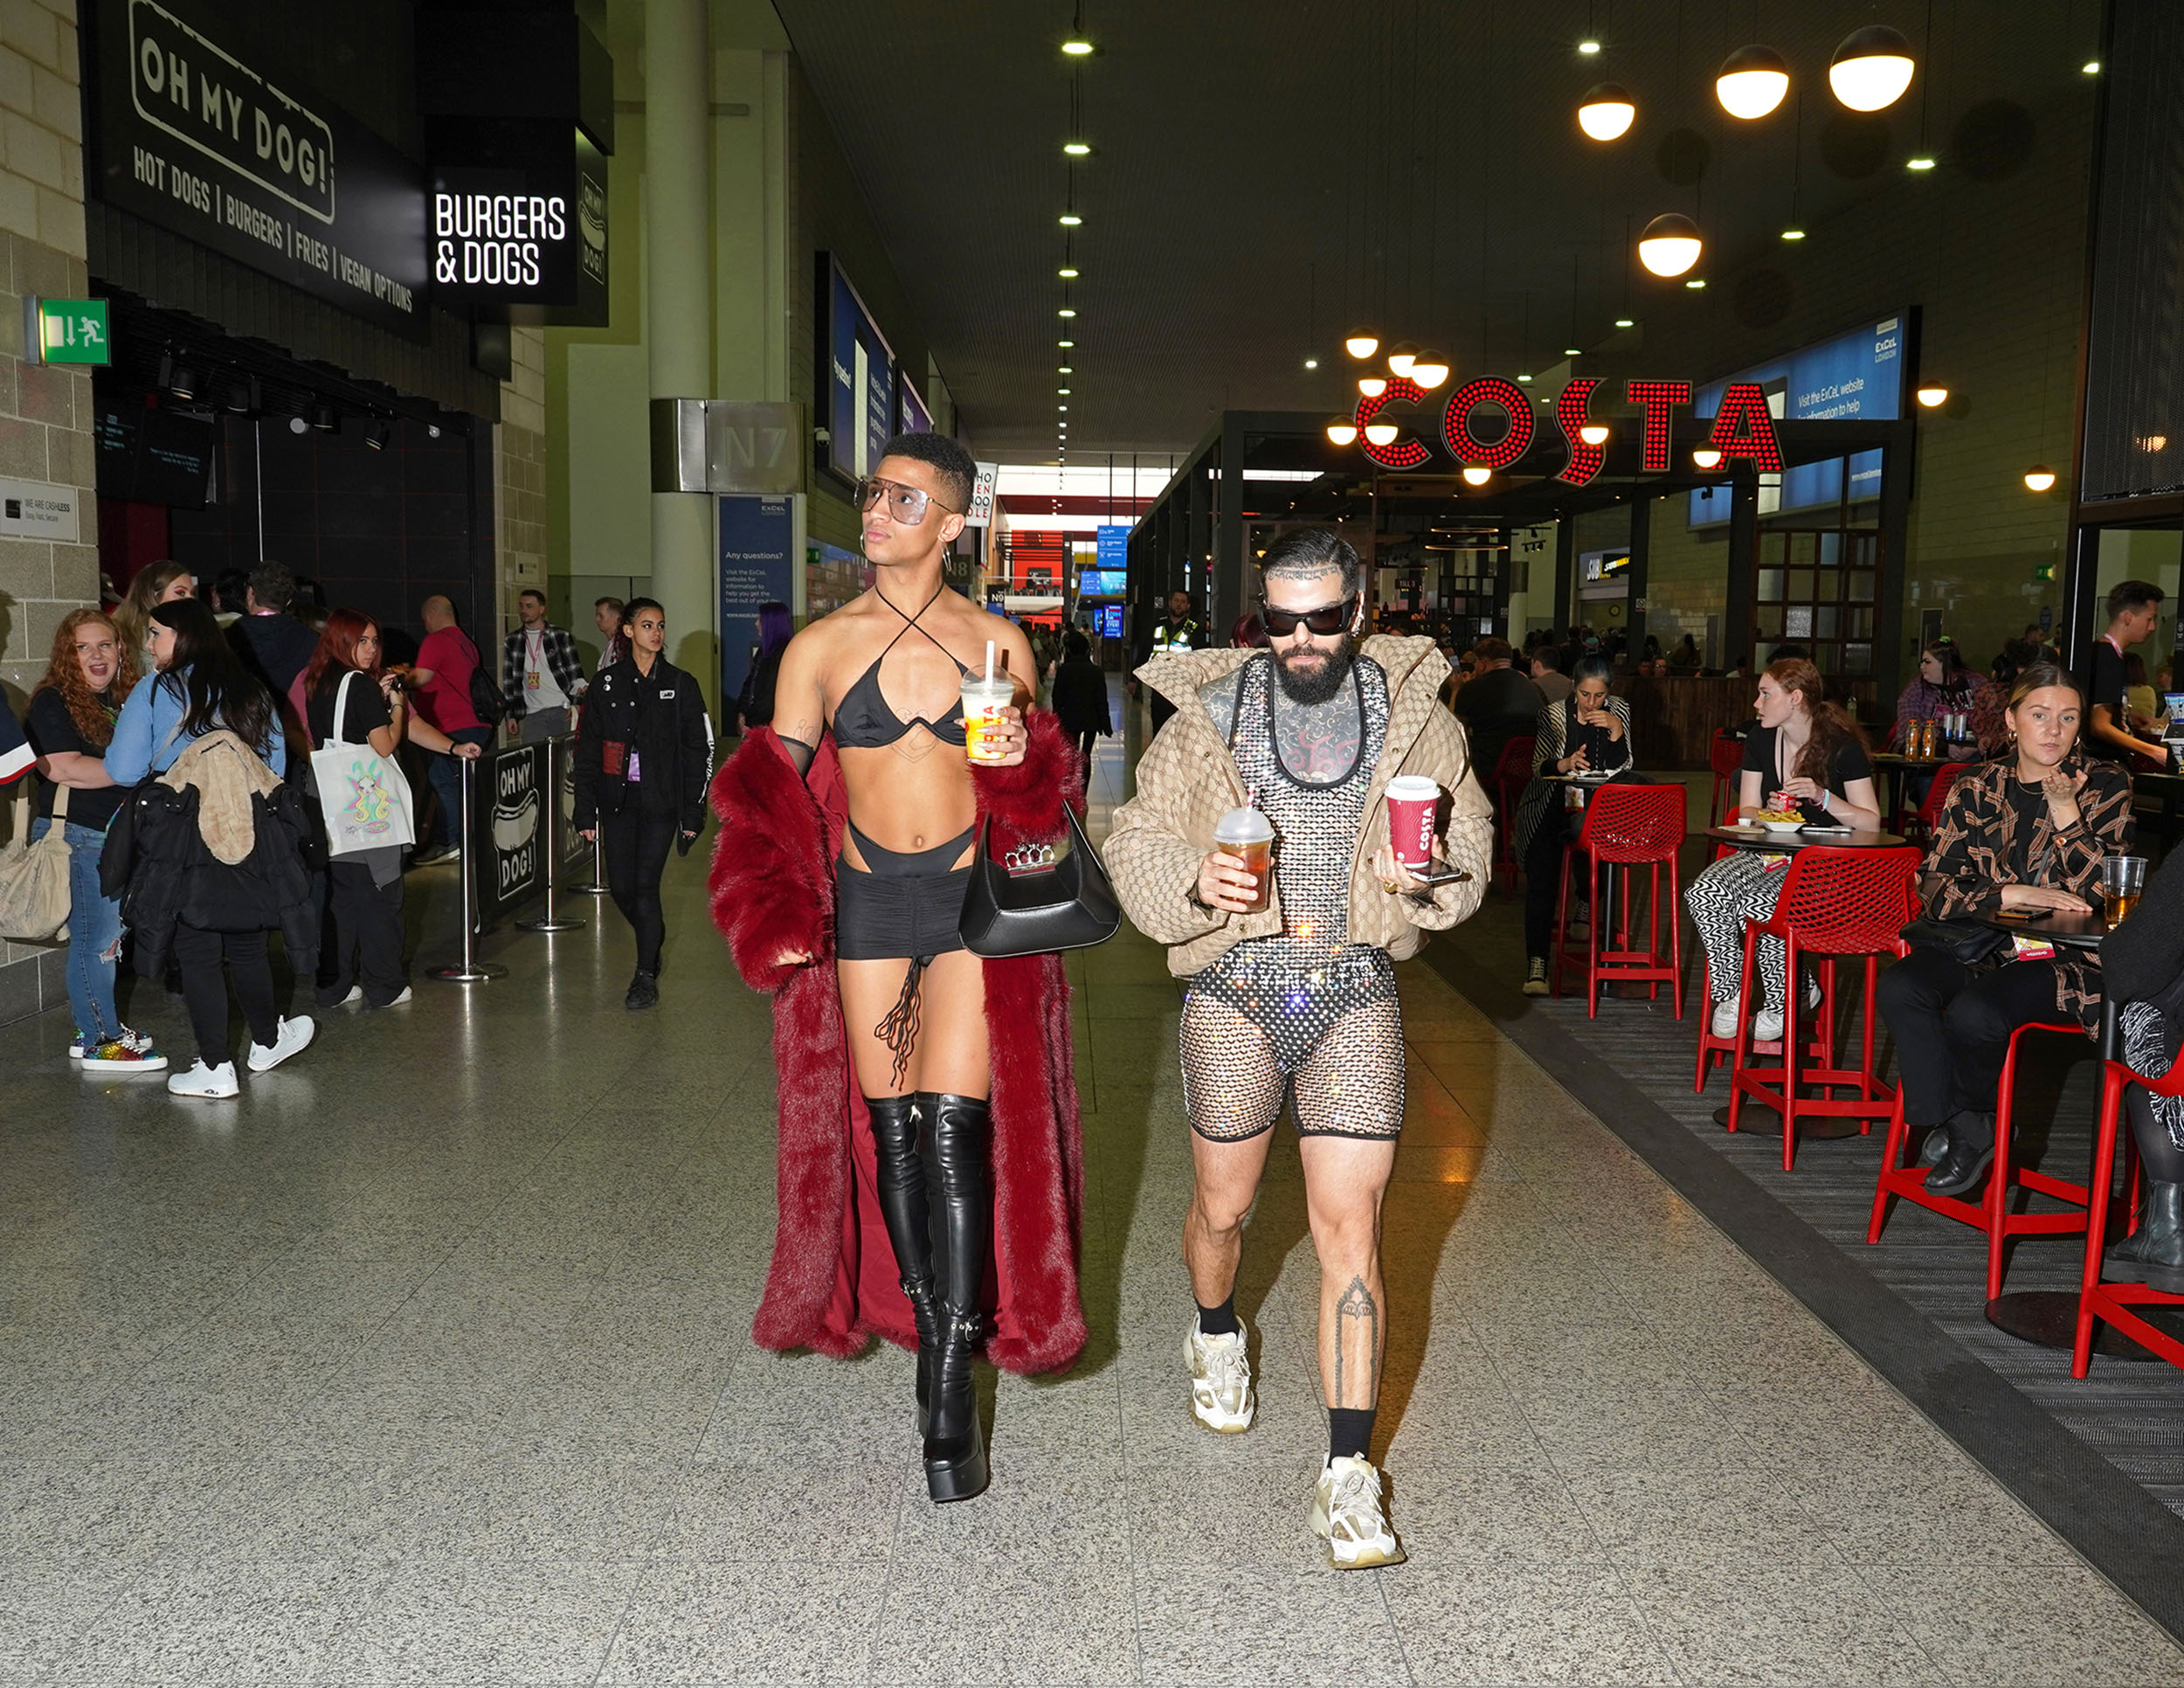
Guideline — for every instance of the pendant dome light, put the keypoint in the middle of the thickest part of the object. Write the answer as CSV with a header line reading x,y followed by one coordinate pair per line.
x,y
1401,356
1670,243
1382,434
1363,344
2039,478
1429,370
1933,394
1477,474
1606,112
1594,434
1341,431
1372,386
1707,457
1871,68
1751,82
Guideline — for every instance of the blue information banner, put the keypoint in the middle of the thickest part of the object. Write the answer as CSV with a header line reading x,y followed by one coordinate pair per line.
x,y
1114,544
757,541
1858,376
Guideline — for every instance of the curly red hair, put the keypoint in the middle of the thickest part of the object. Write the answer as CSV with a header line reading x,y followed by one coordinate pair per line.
x,y
64,674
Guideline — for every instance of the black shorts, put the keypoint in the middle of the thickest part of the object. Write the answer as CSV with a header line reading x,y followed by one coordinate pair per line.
x,y
895,917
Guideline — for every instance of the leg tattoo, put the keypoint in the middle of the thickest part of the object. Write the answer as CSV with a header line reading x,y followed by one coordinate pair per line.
x,y
1357,1309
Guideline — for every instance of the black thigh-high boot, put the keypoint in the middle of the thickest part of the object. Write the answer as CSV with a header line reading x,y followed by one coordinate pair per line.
x,y
961,1191
903,1205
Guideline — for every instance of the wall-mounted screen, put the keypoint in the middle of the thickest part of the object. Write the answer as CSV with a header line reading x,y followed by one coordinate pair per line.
x,y
153,456
1102,583
1110,620
856,375
911,414
1854,376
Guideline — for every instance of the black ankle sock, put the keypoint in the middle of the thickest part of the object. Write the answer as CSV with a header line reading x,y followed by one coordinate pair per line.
x,y
1349,1432
1218,1321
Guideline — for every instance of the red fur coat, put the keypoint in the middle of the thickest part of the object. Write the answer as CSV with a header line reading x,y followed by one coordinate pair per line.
x,y
833,1282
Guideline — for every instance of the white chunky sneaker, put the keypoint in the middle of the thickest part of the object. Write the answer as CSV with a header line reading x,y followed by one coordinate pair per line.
x,y
1727,1012
295,1035
1766,1026
201,1080
1347,1516
1221,1397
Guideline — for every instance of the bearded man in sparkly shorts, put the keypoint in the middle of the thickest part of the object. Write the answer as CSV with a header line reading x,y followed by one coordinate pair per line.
x,y
1298,1001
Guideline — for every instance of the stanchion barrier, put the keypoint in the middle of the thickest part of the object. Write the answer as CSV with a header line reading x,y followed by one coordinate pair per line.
x,y
553,920
598,885
470,969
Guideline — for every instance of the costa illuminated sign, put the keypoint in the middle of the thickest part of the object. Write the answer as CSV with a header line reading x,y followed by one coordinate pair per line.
x,y
1743,425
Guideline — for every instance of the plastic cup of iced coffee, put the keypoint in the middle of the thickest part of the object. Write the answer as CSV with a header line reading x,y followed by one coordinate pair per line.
x,y
1249,836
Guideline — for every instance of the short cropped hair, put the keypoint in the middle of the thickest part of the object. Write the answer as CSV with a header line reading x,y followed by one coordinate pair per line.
x,y
1493,650
530,591
2123,595
950,464
1307,553
607,603
275,585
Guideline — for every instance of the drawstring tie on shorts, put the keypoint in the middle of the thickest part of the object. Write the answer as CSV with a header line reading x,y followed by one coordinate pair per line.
x,y
899,1030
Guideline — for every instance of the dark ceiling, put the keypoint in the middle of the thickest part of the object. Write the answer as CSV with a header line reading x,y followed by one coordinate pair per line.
x,y
1264,175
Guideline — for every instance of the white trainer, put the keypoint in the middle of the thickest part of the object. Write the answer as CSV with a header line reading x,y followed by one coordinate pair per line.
x,y
1348,1517
201,1080
1221,1397
1727,1012
294,1038
1766,1026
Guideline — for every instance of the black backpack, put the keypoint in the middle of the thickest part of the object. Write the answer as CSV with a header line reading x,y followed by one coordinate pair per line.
x,y
485,696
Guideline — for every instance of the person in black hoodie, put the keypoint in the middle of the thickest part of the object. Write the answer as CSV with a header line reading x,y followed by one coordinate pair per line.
x,y
643,758
275,646
1079,696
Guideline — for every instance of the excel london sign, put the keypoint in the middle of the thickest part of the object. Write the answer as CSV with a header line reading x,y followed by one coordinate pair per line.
x,y
196,132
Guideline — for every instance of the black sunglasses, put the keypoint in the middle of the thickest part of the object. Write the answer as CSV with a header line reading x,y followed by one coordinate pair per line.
x,y
1328,618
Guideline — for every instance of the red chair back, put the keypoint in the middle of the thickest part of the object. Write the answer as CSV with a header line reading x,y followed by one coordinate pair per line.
x,y
1727,756
1848,902
1512,770
1633,823
1937,794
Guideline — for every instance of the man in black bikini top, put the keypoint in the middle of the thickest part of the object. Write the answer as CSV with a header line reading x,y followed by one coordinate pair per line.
x,y
885,673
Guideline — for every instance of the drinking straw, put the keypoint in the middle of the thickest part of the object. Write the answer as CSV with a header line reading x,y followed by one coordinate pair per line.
x,y
989,662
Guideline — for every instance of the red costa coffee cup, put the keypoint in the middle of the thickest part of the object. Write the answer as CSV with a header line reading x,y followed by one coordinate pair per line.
x,y
1413,802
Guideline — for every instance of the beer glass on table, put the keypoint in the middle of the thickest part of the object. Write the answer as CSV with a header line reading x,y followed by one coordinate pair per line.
x,y
2123,881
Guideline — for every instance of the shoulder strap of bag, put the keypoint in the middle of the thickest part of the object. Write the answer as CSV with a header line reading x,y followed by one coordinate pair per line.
x,y
340,739
60,805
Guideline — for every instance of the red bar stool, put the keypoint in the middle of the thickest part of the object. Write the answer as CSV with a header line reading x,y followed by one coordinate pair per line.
x,y
1922,825
1512,772
1725,755
1833,903
2111,1303
1991,1212
1625,826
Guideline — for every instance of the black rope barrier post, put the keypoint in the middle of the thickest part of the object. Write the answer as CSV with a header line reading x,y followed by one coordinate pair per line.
x,y
553,920
469,970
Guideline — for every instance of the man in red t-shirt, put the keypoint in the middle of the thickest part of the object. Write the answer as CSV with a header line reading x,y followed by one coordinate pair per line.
x,y
444,662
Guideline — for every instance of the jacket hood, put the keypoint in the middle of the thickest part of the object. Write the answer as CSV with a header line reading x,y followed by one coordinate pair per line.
x,y
1407,659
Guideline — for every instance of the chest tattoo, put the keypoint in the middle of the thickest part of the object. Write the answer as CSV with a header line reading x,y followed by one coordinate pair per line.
x,y
1319,741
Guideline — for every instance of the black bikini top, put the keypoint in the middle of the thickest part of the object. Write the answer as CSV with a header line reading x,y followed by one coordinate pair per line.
x,y
864,721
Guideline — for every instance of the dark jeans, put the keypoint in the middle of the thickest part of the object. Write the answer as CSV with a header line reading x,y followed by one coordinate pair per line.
x,y
447,784
198,954
364,943
1951,1027
1543,876
636,849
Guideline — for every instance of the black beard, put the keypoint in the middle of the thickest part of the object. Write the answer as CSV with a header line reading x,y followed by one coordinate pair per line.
x,y
1318,687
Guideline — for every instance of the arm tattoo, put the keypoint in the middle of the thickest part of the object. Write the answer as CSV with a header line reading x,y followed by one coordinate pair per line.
x,y
1357,1309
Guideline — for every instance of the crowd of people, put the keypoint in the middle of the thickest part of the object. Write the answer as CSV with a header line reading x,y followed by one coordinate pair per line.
x,y
172,741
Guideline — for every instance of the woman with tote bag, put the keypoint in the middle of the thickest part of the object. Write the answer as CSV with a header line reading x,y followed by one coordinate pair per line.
x,y
356,716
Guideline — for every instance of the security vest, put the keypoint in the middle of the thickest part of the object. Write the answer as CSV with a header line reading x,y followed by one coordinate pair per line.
x,y
1174,636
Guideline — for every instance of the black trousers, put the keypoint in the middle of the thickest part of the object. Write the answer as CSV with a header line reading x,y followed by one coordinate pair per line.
x,y
364,945
1085,740
197,954
1951,1027
636,845
1543,876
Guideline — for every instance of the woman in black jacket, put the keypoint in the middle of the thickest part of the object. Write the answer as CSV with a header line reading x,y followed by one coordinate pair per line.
x,y
1079,696
643,758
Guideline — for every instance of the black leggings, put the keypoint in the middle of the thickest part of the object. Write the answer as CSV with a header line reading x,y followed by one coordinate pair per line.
x,y
1951,1026
636,847
197,954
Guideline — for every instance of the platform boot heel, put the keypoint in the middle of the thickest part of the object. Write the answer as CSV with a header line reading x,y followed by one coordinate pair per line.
x,y
902,1206
956,1130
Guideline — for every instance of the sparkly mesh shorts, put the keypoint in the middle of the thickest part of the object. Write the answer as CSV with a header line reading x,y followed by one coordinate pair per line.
x,y
1343,1066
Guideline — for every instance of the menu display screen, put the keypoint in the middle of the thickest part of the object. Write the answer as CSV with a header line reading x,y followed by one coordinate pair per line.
x,y
153,456
857,377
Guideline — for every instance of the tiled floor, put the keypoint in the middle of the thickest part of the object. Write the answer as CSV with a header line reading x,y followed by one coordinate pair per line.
x,y
428,1361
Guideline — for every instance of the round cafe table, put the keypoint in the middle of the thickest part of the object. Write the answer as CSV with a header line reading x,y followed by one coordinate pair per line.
x,y
2049,1317
1765,1122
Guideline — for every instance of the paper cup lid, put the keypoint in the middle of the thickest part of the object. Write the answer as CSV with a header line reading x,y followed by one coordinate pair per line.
x,y
1238,825
1413,788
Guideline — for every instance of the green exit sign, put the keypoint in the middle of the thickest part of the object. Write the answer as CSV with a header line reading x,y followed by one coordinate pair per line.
x,y
69,331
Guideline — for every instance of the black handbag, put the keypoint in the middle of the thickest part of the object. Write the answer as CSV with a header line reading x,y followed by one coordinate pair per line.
x,y
1968,942
1037,898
